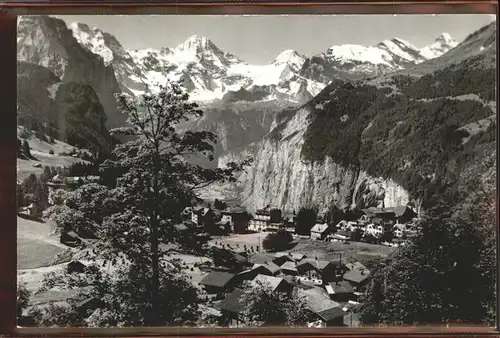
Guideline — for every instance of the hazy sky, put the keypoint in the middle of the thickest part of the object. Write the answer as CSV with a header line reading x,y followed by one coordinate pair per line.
x,y
258,39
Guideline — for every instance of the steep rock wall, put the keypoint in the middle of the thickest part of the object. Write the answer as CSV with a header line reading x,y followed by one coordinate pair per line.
x,y
47,41
280,177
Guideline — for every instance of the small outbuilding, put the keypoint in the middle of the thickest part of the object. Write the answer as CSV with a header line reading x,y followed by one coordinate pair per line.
x,y
320,231
218,282
75,267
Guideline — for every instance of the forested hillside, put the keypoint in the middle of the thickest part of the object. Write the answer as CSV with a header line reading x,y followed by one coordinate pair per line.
x,y
421,131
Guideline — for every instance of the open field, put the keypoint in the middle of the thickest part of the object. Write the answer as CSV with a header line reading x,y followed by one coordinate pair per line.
x,y
40,150
25,167
254,239
194,273
36,246
312,248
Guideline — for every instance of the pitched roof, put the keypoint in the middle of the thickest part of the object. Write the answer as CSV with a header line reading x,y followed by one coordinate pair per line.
x,y
282,254
270,266
342,233
320,228
72,234
306,262
244,272
57,179
299,283
257,268
298,256
322,264
399,210
76,264
316,264
342,222
400,227
339,287
377,211
272,282
230,253
289,266
237,210
232,302
317,299
352,306
217,278
355,266
356,276
273,268
239,258
281,257
331,313
180,227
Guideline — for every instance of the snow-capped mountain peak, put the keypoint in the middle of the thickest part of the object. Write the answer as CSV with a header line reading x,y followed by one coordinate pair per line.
x,y
441,45
446,38
286,56
357,53
208,73
195,42
401,51
291,58
92,39
402,42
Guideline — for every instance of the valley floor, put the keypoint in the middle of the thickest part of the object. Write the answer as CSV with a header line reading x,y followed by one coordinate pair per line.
x,y
38,248
36,245
354,251
40,150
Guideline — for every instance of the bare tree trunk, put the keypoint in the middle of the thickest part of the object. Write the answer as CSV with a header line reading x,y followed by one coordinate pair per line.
x,y
155,261
155,255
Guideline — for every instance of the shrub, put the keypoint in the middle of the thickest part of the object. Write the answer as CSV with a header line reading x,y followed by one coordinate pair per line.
x,y
277,241
26,149
219,205
41,136
306,218
356,235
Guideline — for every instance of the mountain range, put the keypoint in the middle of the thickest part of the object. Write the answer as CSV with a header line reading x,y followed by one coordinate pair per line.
x,y
208,73
355,125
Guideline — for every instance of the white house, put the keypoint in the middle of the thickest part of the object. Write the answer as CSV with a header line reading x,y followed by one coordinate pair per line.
x,y
227,219
347,225
374,230
257,224
320,231
399,230
196,215
341,224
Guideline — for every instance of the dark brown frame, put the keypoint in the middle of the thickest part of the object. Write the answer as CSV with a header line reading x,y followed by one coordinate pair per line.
x,y
8,271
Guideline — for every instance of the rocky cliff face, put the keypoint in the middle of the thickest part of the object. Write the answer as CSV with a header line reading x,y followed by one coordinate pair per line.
x,y
366,143
127,73
280,177
47,42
